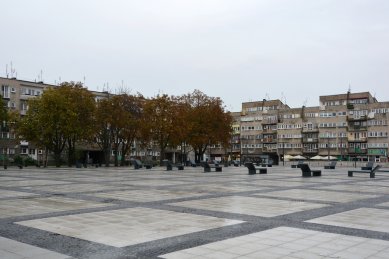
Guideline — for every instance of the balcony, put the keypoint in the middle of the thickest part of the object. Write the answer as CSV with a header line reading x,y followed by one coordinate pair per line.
x,y
269,150
357,151
269,122
310,151
271,131
357,128
23,143
310,140
357,118
313,130
269,140
356,140
26,96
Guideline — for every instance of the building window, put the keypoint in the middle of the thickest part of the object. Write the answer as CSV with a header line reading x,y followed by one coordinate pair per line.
x,y
5,91
31,151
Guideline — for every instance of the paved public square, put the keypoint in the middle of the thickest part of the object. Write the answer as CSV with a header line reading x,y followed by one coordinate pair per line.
x,y
127,213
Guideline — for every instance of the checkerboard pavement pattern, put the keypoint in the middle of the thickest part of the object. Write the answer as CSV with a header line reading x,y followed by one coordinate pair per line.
x,y
126,213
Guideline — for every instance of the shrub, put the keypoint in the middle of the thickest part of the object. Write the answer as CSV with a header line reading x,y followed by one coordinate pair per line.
x,y
30,161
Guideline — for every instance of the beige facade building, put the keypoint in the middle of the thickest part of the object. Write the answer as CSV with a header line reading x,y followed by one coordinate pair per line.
x,y
15,94
346,126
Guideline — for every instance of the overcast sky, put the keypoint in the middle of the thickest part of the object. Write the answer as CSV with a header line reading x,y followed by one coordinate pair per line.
x,y
239,50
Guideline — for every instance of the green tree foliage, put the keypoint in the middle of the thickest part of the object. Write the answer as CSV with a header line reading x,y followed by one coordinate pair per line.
x,y
208,122
44,122
131,107
118,123
3,111
103,130
80,109
158,122
60,117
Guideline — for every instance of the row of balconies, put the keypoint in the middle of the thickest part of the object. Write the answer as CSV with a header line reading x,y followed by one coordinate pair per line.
x,y
349,150
309,140
361,151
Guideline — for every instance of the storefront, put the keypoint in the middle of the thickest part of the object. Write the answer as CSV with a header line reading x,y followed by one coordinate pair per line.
x,y
378,154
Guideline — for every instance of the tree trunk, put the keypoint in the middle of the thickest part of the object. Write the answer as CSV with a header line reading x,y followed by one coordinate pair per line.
x,y
161,156
57,158
124,153
71,153
107,156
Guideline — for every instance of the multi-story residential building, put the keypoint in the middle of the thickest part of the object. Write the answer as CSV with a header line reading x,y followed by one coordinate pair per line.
x,y
258,128
235,138
15,94
347,126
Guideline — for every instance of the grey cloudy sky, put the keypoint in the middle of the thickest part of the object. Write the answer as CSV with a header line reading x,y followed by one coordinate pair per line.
x,y
240,50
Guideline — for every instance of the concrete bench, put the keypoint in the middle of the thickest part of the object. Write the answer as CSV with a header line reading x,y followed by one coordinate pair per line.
x,y
371,172
253,169
137,164
307,172
170,166
298,165
236,163
332,165
369,166
209,167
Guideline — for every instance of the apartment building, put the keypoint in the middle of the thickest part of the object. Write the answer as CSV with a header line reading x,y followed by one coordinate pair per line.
x,y
346,126
259,121
15,94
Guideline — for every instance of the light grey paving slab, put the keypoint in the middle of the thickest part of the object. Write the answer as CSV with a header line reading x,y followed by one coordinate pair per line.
x,y
357,188
287,243
32,206
153,183
10,249
385,204
362,218
9,178
125,227
374,182
319,195
30,183
148,195
264,207
278,183
221,188
70,188
8,194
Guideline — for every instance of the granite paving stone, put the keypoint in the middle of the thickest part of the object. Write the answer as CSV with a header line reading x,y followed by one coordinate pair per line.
x,y
120,212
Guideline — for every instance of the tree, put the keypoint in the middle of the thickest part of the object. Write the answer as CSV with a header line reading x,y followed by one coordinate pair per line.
x,y
181,126
132,109
118,123
45,122
208,122
103,131
60,117
159,122
80,109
